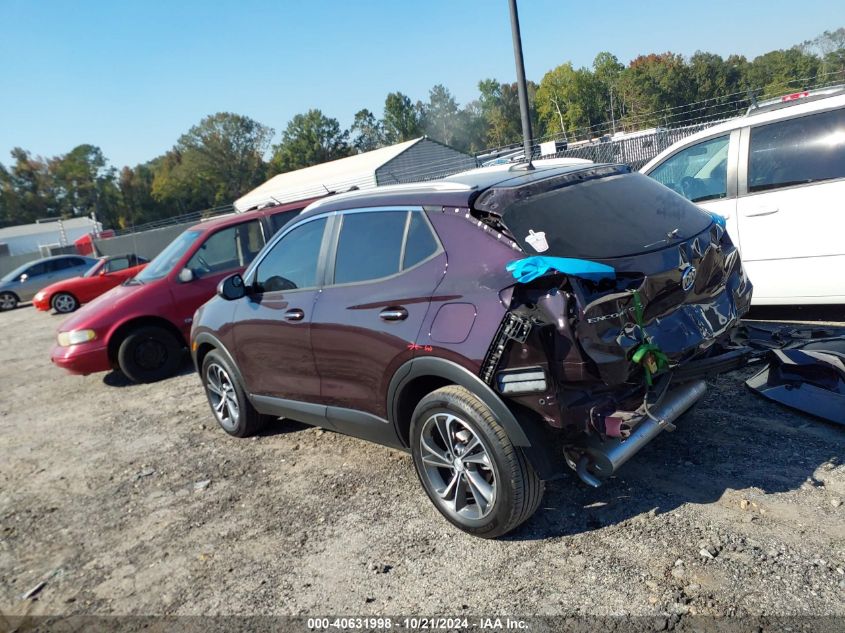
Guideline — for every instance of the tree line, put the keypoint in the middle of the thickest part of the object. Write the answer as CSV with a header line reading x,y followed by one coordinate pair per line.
x,y
226,154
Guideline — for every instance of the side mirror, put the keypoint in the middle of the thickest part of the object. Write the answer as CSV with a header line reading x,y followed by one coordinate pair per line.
x,y
103,272
186,275
24,277
232,288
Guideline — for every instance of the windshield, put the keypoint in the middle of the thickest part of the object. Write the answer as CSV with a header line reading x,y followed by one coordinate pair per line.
x,y
164,262
17,272
612,216
95,268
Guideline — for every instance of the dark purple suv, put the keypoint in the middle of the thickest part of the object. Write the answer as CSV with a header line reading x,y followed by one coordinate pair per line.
x,y
501,325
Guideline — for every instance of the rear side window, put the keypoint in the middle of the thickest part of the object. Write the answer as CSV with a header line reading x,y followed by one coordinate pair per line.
x,y
370,245
279,220
420,243
797,151
698,172
293,261
61,264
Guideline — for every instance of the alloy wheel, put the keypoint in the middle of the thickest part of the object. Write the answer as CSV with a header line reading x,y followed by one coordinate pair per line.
x,y
7,301
221,393
458,467
64,303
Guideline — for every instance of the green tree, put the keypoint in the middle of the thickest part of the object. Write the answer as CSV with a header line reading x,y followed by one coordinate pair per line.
x,y
367,131
652,84
780,71
442,116
309,139
402,120
570,100
607,70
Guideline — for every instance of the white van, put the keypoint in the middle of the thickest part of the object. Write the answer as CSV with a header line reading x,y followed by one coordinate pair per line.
x,y
777,175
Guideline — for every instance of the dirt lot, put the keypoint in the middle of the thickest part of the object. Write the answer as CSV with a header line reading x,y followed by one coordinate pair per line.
x,y
104,494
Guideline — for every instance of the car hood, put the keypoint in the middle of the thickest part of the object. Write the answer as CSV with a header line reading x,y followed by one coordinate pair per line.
x,y
102,310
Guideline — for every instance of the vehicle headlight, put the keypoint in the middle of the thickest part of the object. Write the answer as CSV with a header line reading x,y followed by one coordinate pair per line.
x,y
39,296
75,337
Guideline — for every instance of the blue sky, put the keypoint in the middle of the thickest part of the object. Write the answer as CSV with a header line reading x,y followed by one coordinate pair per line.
x,y
131,76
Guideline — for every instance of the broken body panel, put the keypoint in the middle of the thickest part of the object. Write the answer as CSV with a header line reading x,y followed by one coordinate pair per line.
x,y
567,346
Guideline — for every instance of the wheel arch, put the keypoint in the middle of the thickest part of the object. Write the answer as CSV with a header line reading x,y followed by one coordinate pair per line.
x,y
206,342
119,333
420,376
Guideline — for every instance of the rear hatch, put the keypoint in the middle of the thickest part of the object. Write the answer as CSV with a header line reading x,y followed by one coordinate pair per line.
x,y
679,283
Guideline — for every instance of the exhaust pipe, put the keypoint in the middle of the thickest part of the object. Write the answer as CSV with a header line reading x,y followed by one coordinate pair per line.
x,y
603,458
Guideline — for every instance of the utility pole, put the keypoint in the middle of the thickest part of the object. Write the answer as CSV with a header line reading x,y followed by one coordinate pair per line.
x,y
520,83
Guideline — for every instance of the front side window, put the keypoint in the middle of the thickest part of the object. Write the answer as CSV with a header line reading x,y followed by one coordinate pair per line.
x,y
114,265
370,246
227,249
698,172
293,261
797,151
37,269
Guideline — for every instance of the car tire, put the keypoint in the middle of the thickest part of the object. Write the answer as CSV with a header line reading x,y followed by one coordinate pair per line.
x,y
229,404
468,466
64,302
149,354
8,301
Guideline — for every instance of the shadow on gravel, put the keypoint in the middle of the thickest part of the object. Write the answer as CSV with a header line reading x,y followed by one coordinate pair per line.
x,y
116,378
726,443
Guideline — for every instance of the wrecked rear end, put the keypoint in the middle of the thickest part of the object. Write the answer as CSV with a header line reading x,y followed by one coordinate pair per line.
x,y
625,301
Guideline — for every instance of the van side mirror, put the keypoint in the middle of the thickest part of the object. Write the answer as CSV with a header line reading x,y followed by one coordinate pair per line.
x,y
186,275
232,288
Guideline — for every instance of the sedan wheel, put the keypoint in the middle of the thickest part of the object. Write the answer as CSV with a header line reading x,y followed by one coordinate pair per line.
x,y
64,303
8,301
222,396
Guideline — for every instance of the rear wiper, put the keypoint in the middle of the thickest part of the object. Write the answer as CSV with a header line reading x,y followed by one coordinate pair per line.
x,y
132,281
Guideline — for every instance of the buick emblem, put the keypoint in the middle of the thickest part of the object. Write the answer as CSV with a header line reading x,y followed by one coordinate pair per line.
x,y
688,278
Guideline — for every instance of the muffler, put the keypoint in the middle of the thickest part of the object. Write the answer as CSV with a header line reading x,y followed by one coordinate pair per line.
x,y
603,458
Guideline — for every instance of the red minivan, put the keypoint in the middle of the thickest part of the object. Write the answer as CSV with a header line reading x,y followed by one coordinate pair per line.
x,y
142,326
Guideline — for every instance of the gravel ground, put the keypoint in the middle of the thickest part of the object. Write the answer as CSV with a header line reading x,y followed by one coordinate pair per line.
x,y
127,499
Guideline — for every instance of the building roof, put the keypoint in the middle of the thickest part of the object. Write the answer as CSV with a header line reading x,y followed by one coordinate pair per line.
x,y
50,226
336,175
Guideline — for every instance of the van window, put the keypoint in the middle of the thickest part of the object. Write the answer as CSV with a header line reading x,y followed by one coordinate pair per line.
x,y
278,220
797,151
369,246
293,261
698,172
227,249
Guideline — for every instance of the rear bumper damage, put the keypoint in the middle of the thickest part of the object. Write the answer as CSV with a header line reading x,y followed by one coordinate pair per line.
x,y
610,364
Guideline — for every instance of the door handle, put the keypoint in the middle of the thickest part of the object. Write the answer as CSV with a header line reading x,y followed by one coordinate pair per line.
x,y
394,314
761,212
294,315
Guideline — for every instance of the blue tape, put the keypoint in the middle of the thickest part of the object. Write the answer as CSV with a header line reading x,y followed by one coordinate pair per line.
x,y
719,219
529,268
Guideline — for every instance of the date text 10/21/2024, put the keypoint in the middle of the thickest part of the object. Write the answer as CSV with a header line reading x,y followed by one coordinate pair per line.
x,y
415,623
